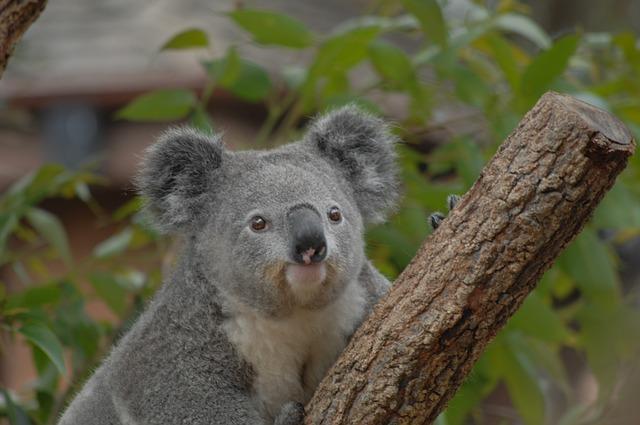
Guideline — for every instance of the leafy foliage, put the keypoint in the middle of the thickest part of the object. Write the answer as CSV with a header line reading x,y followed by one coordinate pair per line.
x,y
49,311
490,66
187,39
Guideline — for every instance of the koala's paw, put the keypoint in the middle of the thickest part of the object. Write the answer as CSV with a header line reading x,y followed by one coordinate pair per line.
x,y
291,413
436,218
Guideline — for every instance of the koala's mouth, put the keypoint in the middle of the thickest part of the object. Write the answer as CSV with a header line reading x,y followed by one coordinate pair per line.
x,y
305,274
304,285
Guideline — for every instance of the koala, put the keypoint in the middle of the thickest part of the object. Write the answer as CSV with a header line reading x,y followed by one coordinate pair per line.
x,y
271,282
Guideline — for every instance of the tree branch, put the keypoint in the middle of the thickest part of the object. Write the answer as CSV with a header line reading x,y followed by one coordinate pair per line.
x,y
15,17
410,356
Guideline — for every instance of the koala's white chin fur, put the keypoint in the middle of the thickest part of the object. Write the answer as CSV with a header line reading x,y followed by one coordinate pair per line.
x,y
290,355
305,280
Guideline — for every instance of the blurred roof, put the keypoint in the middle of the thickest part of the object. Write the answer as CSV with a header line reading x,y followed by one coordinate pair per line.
x,y
112,45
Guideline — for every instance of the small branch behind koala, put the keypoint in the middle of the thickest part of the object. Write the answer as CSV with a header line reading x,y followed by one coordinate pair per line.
x,y
410,356
15,18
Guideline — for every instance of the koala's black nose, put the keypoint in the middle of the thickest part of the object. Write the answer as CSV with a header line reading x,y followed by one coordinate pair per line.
x,y
307,236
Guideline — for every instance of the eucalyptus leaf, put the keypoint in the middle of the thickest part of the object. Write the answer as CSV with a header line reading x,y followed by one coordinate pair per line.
x,y
342,51
431,19
245,79
524,26
547,67
114,244
52,230
40,335
536,318
110,291
392,63
271,28
16,414
522,382
589,262
503,53
8,222
187,39
35,296
159,105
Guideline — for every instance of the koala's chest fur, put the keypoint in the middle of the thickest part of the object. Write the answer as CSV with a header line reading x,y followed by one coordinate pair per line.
x,y
290,356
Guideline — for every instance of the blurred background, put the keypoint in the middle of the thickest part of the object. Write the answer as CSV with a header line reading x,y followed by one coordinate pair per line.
x,y
92,84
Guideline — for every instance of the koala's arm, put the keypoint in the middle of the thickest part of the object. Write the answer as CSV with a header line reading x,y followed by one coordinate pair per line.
x,y
192,377
99,406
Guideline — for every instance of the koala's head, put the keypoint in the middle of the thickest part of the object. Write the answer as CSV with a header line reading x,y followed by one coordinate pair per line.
x,y
281,229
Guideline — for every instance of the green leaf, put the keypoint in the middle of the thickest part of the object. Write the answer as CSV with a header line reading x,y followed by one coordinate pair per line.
x,y
243,78
503,54
159,105
341,52
41,336
392,63
31,188
131,280
82,191
294,76
34,296
468,159
16,414
128,208
187,39
19,269
547,67
536,318
401,251
253,83
467,398
431,19
619,209
225,71
51,229
545,357
114,245
109,290
8,222
521,379
628,43
524,26
470,88
576,415
273,28
589,262
605,335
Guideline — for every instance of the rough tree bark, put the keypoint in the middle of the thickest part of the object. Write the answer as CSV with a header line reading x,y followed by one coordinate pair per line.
x,y
15,17
408,359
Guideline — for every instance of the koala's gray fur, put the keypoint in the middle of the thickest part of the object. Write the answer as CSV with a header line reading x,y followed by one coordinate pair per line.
x,y
231,337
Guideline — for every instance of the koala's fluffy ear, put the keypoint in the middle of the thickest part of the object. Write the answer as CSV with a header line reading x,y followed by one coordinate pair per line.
x,y
360,146
178,175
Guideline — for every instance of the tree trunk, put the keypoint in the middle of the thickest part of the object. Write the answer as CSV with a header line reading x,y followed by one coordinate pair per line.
x,y
410,356
15,17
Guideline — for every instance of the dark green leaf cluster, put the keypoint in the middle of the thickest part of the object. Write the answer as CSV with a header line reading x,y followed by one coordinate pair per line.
x,y
49,310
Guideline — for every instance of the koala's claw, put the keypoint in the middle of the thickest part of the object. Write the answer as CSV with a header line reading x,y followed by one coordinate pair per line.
x,y
291,413
452,201
437,218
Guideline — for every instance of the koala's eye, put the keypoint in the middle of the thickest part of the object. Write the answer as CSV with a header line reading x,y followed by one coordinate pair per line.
x,y
258,224
334,214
